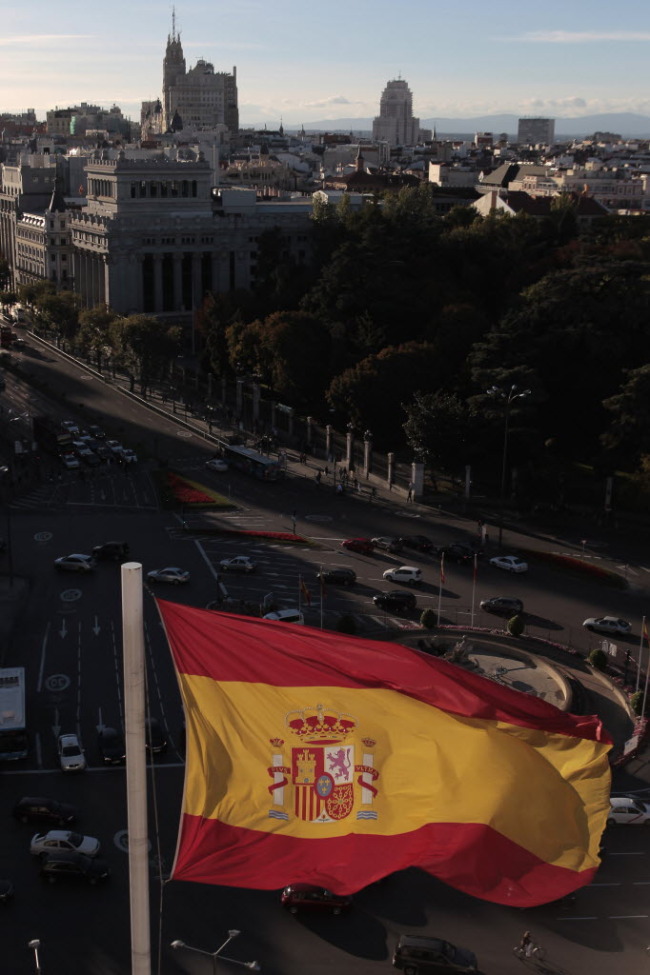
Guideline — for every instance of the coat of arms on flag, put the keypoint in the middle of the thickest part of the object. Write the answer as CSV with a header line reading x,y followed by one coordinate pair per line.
x,y
315,777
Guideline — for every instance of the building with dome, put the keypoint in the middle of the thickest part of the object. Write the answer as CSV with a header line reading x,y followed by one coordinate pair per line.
x,y
395,123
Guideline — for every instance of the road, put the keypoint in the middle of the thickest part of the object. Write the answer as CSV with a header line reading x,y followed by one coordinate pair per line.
x,y
69,639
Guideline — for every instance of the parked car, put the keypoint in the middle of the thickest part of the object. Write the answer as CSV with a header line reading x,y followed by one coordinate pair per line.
x,y
502,605
307,897
216,464
96,432
104,452
419,955
338,575
64,865
155,737
129,456
608,625
363,546
115,447
112,551
286,616
74,563
71,427
6,891
459,553
395,600
408,574
171,574
388,542
71,755
240,563
70,462
37,809
509,563
64,839
111,746
628,810
89,457
421,543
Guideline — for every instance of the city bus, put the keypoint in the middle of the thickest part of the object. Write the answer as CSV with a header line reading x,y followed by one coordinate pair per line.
x,y
248,460
13,733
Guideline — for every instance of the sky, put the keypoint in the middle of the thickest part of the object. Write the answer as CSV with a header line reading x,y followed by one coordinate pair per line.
x,y
300,62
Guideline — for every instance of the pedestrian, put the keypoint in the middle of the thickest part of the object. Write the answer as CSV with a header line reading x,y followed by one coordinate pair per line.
x,y
409,496
479,525
327,473
318,476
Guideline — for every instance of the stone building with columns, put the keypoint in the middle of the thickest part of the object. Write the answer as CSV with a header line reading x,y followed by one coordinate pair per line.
x,y
155,236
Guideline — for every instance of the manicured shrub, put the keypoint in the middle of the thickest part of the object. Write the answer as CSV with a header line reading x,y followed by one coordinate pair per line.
x,y
429,619
636,702
515,625
598,659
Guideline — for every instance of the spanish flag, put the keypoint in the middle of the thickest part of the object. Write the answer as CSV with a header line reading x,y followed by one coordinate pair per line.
x,y
318,757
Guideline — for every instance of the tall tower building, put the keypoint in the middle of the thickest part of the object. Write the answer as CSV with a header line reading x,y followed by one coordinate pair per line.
x,y
395,123
198,98
536,131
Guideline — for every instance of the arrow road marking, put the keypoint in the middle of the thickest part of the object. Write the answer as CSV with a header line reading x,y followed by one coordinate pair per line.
x,y
96,627
63,631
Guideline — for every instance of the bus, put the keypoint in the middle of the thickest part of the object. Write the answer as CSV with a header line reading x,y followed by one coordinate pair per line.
x,y
248,460
13,733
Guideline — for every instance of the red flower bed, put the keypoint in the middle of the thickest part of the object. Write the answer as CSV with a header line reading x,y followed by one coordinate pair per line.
x,y
177,490
276,536
575,564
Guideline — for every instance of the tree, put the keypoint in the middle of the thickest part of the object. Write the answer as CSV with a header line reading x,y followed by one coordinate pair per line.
x,y
598,659
441,430
429,619
629,426
146,346
96,332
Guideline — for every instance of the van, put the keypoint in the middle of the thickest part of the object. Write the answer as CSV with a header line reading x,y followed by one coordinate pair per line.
x,y
432,956
115,551
287,616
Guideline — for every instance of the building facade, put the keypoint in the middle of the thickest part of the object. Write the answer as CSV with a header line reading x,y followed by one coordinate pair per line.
x,y
198,98
536,131
395,123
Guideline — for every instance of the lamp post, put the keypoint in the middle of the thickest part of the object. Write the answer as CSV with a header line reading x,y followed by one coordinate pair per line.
x,y
215,955
367,453
349,446
35,944
507,397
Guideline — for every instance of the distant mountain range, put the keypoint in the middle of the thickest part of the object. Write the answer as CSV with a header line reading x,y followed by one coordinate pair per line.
x,y
625,124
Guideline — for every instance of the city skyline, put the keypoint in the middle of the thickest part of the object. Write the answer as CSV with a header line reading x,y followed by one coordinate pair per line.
x,y
296,65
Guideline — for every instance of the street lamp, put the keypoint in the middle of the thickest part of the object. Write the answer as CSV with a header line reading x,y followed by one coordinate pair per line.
x,y
507,397
35,944
215,955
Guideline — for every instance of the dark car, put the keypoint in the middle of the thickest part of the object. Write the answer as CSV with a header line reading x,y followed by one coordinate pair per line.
x,y
395,600
307,897
155,736
37,809
338,575
63,864
104,452
363,546
111,746
418,542
6,891
502,605
113,551
462,554
419,955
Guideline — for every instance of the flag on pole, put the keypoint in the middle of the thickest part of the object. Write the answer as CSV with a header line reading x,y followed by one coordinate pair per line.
x,y
305,591
328,759
475,566
442,569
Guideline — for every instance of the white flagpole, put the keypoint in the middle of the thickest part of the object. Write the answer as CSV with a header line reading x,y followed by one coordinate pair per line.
x,y
645,692
136,765
442,563
474,571
322,594
638,668
299,593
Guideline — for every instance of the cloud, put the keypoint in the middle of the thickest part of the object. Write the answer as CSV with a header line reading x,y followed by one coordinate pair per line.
x,y
333,100
578,37
41,39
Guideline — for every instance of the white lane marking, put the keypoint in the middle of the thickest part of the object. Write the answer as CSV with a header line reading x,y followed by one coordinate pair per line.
x,y
625,917
39,684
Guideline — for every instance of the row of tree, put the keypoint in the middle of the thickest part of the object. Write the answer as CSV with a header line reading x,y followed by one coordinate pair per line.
x,y
402,320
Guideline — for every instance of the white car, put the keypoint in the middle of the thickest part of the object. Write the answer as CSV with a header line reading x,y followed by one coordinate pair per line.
x,y
627,809
216,465
71,755
71,427
171,574
410,575
286,616
607,624
241,563
509,563
75,563
70,462
64,839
